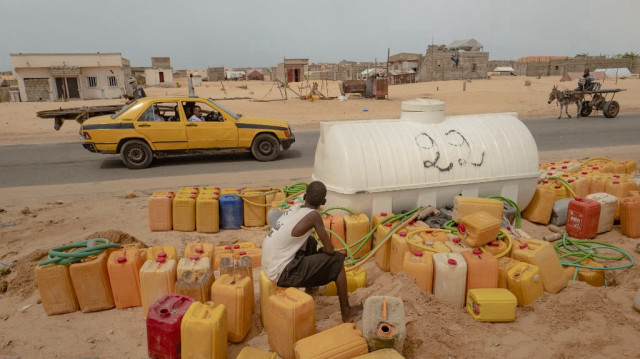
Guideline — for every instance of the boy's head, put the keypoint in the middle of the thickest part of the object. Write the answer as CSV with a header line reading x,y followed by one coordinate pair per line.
x,y
316,193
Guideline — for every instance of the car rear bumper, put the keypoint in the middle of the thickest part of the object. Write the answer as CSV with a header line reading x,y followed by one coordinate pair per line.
x,y
90,147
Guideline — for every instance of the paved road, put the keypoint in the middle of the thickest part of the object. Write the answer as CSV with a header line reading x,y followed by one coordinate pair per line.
x,y
31,165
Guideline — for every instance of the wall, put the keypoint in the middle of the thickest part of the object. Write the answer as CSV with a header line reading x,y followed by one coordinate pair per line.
x,y
437,65
44,94
215,73
152,77
102,90
161,62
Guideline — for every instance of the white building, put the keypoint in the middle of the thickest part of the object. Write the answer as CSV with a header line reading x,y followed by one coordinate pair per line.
x,y
155,76
52,77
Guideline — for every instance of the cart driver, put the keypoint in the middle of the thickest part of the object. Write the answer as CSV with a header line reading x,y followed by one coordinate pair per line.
x,y
584,83
291,258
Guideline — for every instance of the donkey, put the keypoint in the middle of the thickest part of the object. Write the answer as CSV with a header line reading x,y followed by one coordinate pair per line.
x,y
565,98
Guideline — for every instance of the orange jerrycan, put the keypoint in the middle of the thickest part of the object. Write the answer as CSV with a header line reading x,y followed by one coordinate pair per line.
x,y
184,213
434,247
160,212
541,205
542,254
383,254
254,209
255,353
450,279
124,274
202,250
594,277
479,228
504,264
630,216
356,227
598,183
482,269
496,247
340,342
291,316
207,213
255,254
267,289
91,283
168,252
525,282
559,189
419,266
56,290
204,331
433,236
396,253
356,278
492,305
580,186
379,217
157,279
195,278
456,245
464,206
335,223
236,294
386,353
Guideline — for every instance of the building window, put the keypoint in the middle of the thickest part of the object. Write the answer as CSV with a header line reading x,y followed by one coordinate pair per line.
x,y
113,81
557,67
474,67
92,81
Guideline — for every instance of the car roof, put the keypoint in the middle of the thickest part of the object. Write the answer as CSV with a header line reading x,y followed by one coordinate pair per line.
x,y
169,98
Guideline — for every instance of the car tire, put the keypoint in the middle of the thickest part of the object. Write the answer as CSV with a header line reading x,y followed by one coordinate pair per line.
x,y
265,147
611,109
136,154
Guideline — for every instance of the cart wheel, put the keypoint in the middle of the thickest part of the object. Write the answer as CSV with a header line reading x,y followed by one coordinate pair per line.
x,y
586,109
611,109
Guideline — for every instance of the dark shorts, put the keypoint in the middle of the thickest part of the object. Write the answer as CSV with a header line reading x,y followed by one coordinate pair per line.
x,y
311,267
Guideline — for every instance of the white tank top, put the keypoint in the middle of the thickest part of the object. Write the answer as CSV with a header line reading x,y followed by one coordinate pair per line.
x,y
280,247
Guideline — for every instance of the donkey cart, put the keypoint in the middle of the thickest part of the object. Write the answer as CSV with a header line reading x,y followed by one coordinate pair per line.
x,y
597,100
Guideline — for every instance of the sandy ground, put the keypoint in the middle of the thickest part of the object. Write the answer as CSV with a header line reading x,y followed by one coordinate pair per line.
x,y
580,321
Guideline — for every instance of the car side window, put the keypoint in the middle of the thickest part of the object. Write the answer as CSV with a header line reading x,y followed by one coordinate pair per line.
x,y
206,111
161,112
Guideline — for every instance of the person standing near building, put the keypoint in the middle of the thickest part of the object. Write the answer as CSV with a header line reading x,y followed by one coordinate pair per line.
x,y
290,255
138,91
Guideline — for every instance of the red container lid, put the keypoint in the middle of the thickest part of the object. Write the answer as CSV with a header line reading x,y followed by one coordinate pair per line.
x,y
199,250
553,168
564,175
461,228
495,244
595,167
550,173
122,259
388,224
564,167
552,163
455,240
161,259
557,186
585,173
242,253
523,245
290,202
383,214
477,251
236,246
195,258
429,231
545,181
616,176
403,234
452,261
417,254
412,223
162,254
571,180
227,247
579,199
616,182
168,196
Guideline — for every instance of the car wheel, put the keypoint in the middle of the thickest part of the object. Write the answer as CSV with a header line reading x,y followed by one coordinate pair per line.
x,y
265,147
611,109
136,154
586,109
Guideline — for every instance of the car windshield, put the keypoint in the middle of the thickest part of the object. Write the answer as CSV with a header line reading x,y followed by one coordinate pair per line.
x,y
124,108
234,115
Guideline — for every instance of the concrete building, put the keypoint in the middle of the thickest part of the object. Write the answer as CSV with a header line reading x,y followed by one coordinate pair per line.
x,y
160,73
445,63
292,70
52,77
216,73
559,65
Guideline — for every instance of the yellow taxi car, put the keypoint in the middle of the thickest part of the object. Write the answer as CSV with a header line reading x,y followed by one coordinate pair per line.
x,y
157,126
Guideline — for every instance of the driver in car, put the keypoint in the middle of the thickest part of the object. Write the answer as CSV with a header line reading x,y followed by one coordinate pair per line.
x,y
197,115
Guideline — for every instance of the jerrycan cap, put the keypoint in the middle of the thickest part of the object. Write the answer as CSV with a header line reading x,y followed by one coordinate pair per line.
x,y
477,251
553,168
524,245
169,196
418,254
162,255
571,180
616,182
199,250
565,175
585,172
403,234
461,228
557,186
564,167
494,244
579,199
383,214
227,247
455,240
595,167
428,232
388,224
545,181
290,202
195,258
549,173
616,176
236,246
411,223
452,261
476,308
242,253
122,259
161,259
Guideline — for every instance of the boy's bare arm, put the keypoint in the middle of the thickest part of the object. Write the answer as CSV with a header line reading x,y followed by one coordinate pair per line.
x,y
318,225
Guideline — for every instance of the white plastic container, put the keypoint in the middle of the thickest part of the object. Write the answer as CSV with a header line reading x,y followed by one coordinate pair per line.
x,y
424,158
608,204
450,278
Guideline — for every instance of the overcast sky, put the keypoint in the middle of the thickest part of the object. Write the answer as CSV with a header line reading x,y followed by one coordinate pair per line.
x,y
255,33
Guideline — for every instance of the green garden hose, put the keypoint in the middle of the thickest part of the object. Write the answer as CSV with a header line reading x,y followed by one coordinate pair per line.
x,y
61,256
295,188
512,204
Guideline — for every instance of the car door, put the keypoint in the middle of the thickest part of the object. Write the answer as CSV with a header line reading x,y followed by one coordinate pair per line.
x,y
218,130
163,126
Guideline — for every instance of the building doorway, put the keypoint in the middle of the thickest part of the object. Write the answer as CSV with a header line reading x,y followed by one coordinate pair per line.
x,y
161,76
293,75
67,88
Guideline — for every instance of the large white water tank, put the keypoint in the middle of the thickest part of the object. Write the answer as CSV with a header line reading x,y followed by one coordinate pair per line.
x,y
425,159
